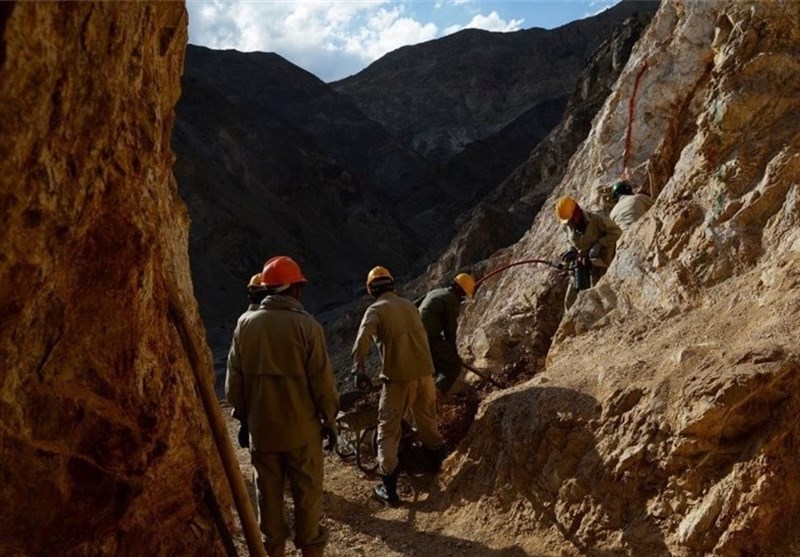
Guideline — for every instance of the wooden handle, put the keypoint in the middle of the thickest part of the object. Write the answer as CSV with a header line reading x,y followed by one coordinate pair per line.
x,y
227,453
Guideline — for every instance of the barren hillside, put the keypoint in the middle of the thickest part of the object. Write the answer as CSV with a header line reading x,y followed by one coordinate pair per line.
x,y
665,418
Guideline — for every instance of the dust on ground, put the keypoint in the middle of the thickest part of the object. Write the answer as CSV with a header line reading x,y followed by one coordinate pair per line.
x,y
361,525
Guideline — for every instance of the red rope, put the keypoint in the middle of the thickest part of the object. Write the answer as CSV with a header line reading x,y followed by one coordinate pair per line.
x,y
631,109
523,262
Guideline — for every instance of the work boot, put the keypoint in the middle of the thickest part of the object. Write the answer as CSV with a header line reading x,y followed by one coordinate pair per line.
x,y
434,458
314,550
387,490
277,550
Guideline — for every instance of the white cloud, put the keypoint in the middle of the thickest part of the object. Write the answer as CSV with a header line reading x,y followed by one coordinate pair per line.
x,y
308,33
491,22
332,38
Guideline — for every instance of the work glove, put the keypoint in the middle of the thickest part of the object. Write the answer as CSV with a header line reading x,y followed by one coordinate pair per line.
x,y
329,436
244,435
569,256
361,381
594,253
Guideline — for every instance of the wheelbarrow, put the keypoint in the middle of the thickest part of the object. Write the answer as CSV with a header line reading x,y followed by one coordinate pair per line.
x,y
357,422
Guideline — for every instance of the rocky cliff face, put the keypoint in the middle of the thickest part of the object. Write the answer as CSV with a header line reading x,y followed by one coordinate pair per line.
x,y
665,419
104,448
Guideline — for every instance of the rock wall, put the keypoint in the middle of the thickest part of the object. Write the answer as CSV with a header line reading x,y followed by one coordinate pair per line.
x,y
104,448
665,420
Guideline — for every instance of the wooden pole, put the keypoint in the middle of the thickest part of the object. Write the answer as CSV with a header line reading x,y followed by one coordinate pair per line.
x,y
226,451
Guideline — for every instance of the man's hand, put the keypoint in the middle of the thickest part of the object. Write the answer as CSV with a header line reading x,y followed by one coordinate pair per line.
x,y
569,256
594,253
361,381
244,435
329,436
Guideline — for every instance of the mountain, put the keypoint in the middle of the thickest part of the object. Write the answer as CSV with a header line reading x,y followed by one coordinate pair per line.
x,y
270,160
439,96
505,213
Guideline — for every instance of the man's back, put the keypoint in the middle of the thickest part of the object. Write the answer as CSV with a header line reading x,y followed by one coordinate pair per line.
x,y
280,357
629,209
396,327
439,312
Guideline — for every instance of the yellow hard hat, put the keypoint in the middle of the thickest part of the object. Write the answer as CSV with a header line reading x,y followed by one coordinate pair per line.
x,y
379,273
466,282
255,281
565,208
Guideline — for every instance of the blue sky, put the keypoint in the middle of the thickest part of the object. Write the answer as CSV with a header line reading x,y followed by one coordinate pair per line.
x,y
336,38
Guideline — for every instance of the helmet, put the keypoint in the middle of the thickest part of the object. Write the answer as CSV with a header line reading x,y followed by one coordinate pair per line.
x,y
281,271
621,188
379,276
255,281
565,208
466,282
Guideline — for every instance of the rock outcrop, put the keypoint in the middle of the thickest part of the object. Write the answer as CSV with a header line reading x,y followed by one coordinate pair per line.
x,y
665,420
104,447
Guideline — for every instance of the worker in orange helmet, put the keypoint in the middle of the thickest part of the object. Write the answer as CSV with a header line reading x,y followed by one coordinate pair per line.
x,y
592,239
439,310
394,324
280,380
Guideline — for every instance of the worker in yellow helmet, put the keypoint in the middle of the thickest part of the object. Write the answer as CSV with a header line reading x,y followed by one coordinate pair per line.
x,y
439,311
592,240
394,325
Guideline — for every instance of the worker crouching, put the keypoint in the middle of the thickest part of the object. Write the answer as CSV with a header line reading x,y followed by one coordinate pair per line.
x,y
394,324
592,240
439,311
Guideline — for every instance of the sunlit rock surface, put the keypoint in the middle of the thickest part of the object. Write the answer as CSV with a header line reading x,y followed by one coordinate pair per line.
x,y
104,447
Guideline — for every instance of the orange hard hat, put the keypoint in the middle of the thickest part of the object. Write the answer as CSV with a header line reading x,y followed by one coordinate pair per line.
x,y
565,208
281,271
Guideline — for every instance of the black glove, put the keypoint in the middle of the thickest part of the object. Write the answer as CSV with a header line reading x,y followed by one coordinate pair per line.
x,y
244,435
594,253
329,436
361,381
569,256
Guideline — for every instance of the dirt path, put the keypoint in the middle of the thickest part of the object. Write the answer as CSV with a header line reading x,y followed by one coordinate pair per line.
x,y
361,525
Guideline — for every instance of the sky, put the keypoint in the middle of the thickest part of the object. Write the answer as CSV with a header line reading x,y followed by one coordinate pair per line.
x,y
336,38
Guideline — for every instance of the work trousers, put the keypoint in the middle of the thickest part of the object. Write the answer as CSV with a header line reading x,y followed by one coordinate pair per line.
x,y
397,398
446,362
303,468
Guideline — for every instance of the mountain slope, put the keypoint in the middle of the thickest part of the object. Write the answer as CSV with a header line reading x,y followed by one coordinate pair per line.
x,y
483,80
665,420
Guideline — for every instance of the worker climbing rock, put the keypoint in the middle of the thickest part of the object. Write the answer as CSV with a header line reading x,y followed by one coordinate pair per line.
x,y
592,239
439,311
394,324
628,207
281,379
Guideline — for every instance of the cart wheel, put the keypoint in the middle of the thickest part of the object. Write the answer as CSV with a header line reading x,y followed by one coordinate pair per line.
x,y
346,441
367,450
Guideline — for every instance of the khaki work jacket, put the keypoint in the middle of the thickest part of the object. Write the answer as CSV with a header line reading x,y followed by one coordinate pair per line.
x,y
629,209
393,323
599,228
280,376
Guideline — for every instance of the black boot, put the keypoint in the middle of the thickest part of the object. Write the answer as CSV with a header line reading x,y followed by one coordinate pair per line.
x,y
434,458
387,490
